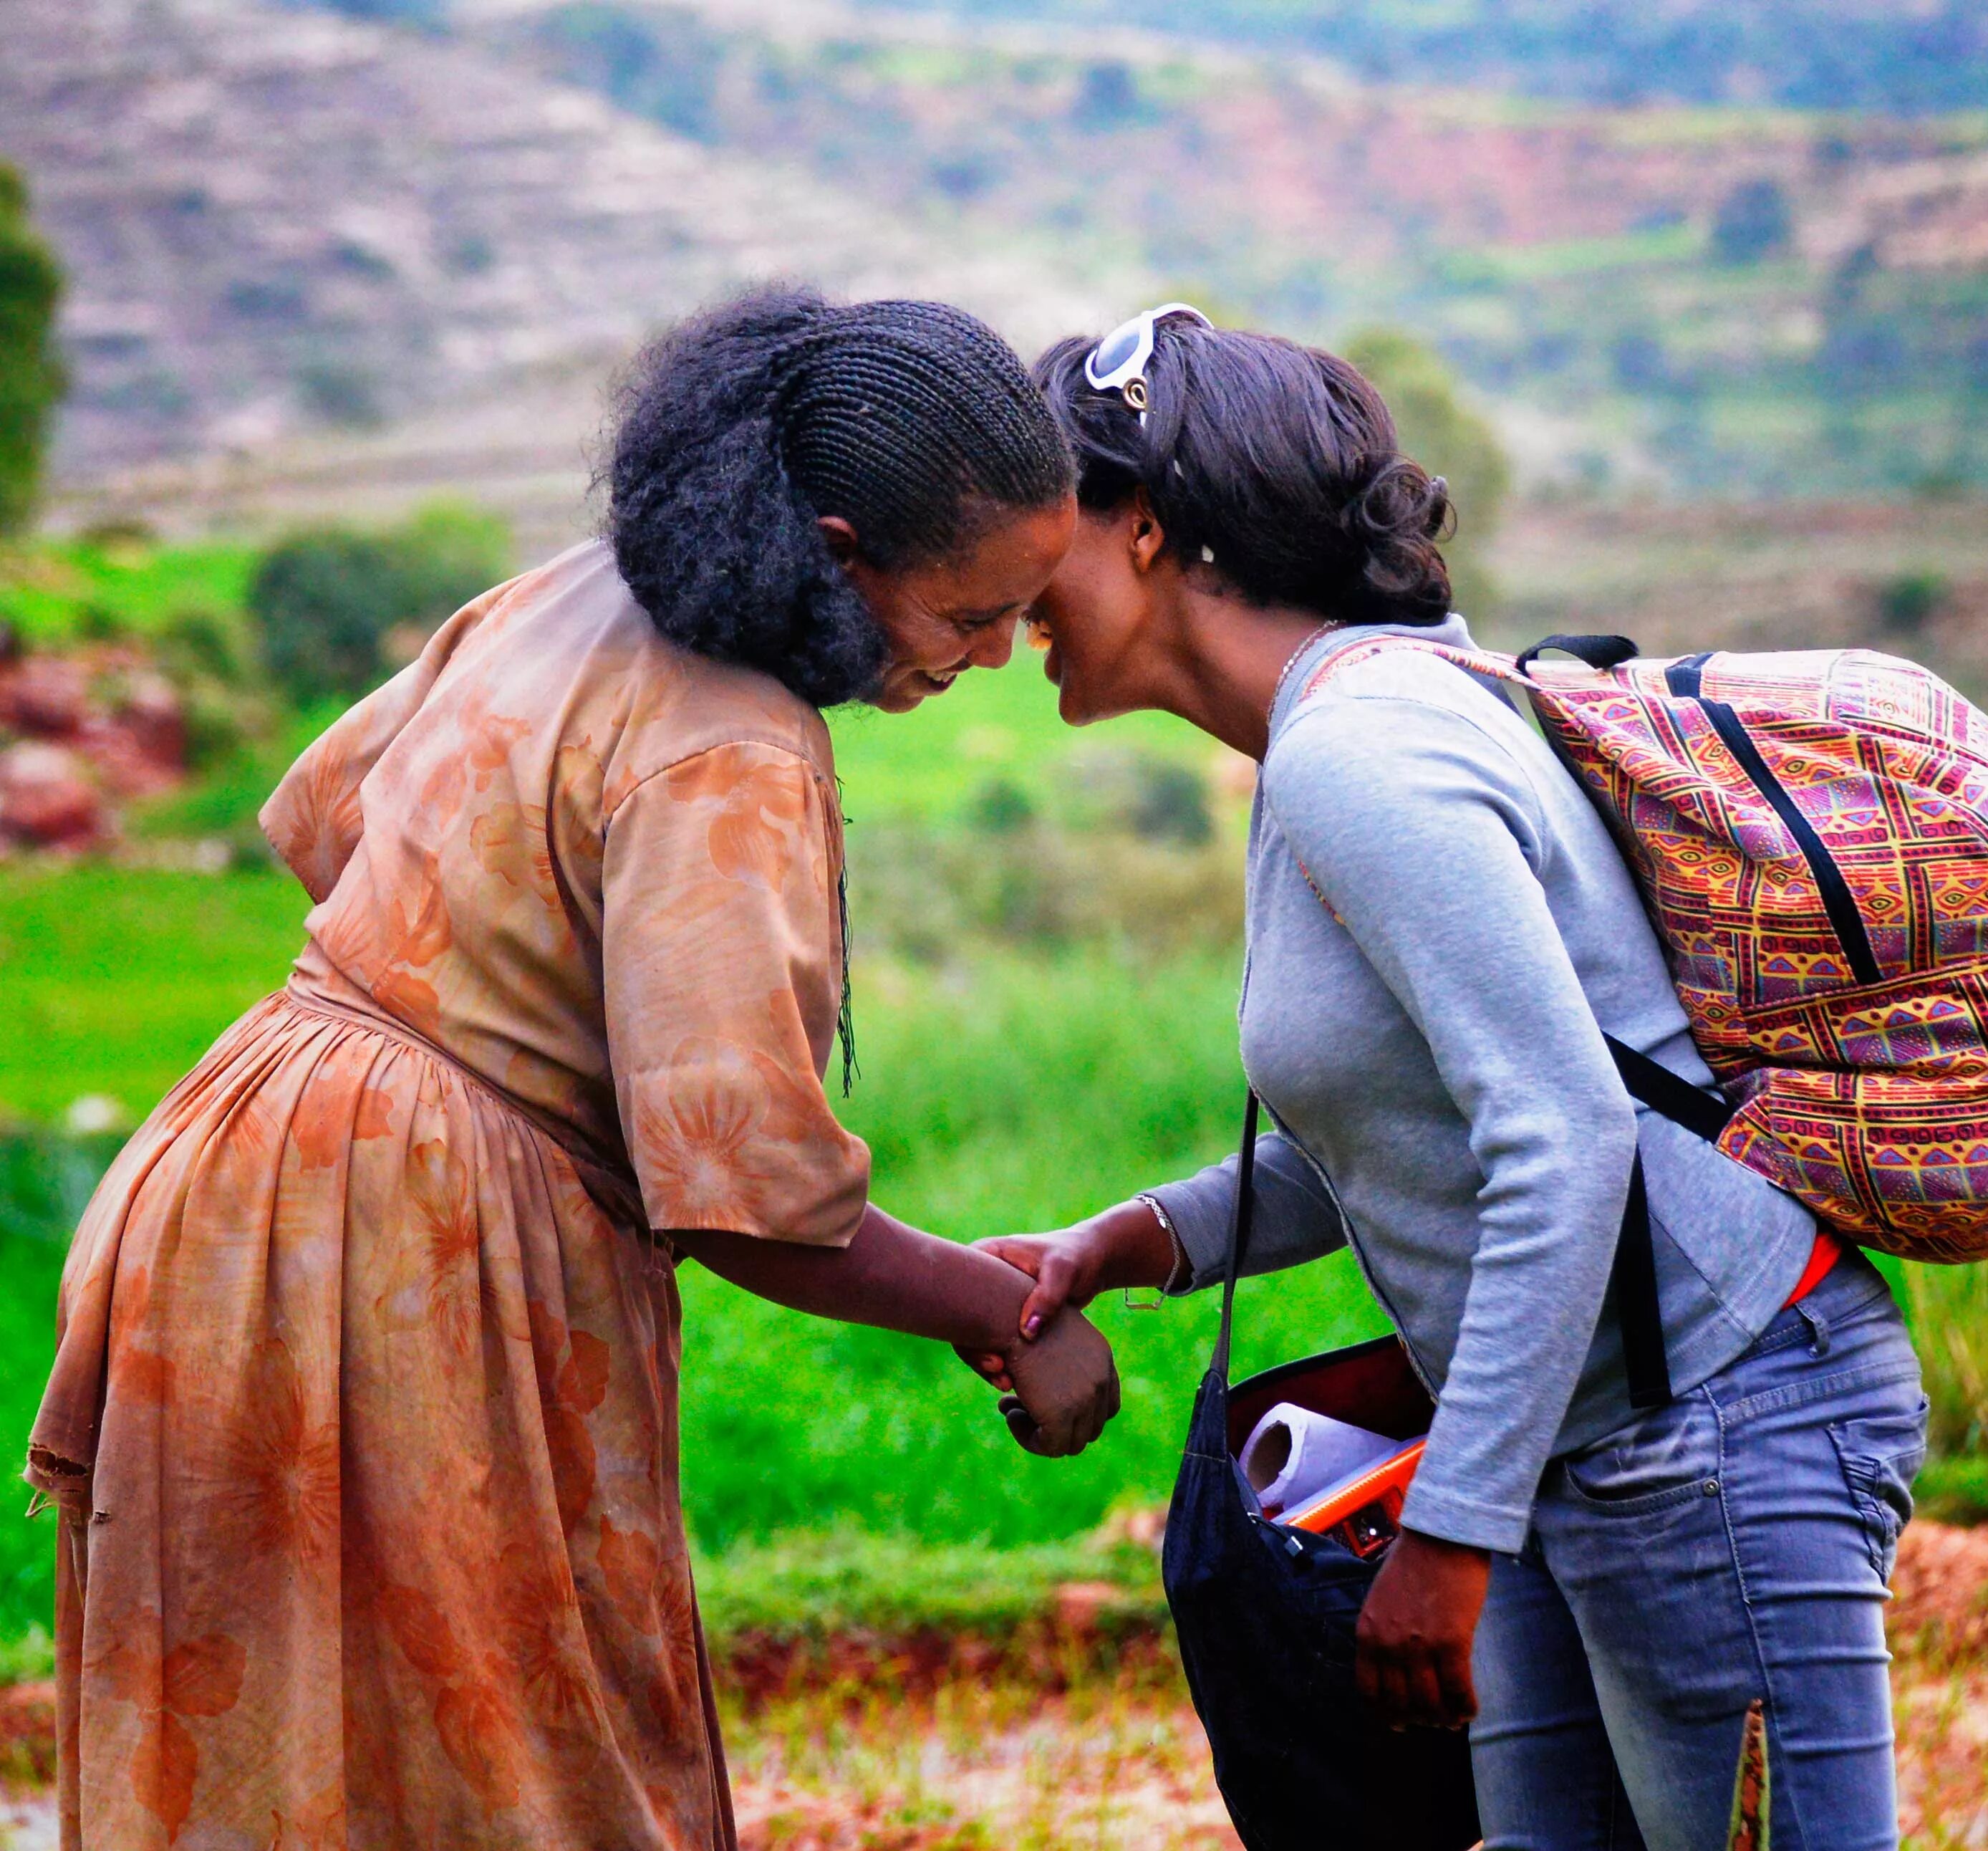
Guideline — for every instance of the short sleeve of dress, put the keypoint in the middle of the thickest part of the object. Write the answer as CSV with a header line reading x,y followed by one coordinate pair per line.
x,y
314,818
722,970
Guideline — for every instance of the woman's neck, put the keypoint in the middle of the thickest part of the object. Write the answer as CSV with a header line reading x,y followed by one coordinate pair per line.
x,y
1225,665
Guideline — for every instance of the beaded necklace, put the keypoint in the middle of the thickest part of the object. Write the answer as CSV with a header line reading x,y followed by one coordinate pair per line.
x,y
1284,674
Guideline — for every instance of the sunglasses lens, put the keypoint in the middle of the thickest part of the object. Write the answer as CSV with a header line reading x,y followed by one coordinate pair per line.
x,y
1114,349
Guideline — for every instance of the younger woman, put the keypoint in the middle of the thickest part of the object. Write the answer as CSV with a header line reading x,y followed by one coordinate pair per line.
x,y
1440,928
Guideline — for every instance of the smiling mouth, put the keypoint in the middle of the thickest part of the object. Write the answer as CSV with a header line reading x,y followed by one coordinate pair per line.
x,y
938,683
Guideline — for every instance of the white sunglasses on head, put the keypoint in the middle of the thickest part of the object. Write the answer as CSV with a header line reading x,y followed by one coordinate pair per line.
x,y
1118,362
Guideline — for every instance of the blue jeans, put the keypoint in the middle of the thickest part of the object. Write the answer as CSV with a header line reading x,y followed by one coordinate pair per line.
x,y
1731,1546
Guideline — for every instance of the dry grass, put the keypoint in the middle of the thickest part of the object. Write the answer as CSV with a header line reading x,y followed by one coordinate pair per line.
x,y
971,1769
1942,1720
973,1766
1119,1763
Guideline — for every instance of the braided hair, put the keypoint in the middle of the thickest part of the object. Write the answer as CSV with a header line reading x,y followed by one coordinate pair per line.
x,y
738,430
1276,464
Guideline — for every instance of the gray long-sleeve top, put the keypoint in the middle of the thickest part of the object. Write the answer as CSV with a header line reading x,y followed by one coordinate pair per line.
x,y
1439,928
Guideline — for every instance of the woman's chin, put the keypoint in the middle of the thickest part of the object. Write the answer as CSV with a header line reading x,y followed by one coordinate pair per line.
x,y
1069,704
901,693
1071,707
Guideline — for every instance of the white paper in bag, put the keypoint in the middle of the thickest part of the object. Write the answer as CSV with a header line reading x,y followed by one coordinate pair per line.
x,y
1294,1455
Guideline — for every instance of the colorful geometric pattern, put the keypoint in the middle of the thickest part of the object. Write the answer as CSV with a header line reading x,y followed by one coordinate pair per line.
x,y
1835,976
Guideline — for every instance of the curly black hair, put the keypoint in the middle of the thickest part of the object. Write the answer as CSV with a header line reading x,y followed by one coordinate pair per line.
x,y
738,429
1277,464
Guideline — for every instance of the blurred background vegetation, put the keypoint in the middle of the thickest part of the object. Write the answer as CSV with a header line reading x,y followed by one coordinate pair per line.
x,y
1690,305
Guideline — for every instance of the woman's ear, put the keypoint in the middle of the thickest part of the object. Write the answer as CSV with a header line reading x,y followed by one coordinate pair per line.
x,y
1145,538
841,539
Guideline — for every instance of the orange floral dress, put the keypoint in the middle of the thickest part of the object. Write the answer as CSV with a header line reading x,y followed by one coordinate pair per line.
x,y
364,1417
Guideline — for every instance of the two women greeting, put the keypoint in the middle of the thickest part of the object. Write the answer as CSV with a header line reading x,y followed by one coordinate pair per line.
x,y
362,1421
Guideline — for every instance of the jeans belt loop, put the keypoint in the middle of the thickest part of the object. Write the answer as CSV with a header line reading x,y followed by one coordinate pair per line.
x,y
1818,1326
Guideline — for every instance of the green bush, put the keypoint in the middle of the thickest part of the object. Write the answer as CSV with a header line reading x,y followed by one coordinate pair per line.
x,y
664,62
1753,221
1908,603
330,603
937,896
32,379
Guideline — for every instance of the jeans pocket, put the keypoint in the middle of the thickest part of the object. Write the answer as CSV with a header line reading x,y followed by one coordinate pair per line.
x,y
1880,1456
1663,1456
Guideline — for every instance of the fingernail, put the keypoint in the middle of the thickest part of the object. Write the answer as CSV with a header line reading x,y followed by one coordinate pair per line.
x,y
1031,1325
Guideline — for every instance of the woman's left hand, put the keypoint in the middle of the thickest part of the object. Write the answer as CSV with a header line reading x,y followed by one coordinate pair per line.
x,y
1412,1659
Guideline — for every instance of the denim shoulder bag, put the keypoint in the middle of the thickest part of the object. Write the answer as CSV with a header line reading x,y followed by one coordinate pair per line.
x,y
1265,1611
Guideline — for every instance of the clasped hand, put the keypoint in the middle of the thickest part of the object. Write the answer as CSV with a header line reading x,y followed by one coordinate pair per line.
x,y
1059,1383
1062,1386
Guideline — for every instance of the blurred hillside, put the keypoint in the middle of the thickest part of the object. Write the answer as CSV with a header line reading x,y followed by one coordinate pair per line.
x,y
1903,56
323,261
1738,300
277,221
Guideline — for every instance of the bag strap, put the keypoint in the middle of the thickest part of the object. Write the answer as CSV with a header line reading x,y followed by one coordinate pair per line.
x,y
1598,653
1650,1084
1637,1312
1238,1231
1634,1277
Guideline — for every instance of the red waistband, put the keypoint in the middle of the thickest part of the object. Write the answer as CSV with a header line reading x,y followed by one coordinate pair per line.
x,y
1822,1257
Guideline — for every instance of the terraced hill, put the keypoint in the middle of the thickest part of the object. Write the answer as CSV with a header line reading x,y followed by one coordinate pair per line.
x,y
277,219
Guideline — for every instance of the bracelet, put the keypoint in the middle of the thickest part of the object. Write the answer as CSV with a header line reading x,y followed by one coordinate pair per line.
x,y
1177,1274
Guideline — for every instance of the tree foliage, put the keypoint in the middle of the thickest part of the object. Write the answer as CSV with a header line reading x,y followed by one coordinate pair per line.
x,y
31,379
662,62
335,606
1753,221
1449,438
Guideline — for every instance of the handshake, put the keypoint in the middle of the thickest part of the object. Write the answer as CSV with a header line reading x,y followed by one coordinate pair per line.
x,y
1059,1382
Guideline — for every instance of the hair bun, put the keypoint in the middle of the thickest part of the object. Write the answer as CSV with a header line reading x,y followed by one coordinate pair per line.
x,y
1394,525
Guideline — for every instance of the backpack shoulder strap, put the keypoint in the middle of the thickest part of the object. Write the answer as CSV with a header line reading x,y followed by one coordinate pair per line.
x,y
1601,653
1338,661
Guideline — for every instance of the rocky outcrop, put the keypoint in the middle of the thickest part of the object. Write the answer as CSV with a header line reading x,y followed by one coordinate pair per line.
x,y
80,736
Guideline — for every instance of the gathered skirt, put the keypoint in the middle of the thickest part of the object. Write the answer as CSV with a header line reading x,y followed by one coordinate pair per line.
x,y
363,1429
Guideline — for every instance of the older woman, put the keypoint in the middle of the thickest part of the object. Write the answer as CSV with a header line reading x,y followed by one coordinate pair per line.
x,y
363,1422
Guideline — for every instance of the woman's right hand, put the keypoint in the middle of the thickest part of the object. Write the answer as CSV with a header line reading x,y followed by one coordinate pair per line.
x,y
1123,1246
1064,1387
1066,1266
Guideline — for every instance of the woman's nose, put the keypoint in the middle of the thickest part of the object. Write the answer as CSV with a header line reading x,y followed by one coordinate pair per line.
x,y
993,646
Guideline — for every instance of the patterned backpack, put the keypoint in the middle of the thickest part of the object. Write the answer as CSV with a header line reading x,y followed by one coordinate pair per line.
x,y
1810,833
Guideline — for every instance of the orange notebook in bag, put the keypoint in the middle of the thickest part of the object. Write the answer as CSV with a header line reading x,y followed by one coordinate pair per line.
x,y
1365,1513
